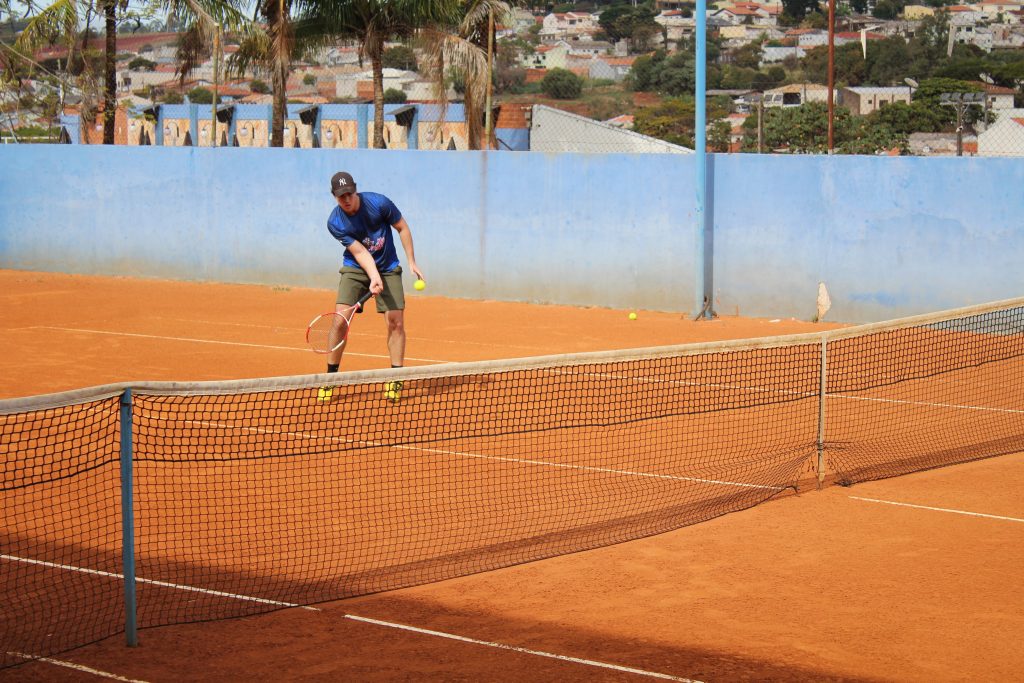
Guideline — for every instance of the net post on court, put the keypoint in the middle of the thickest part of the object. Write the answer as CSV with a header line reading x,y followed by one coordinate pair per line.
x,y
128,521
131,506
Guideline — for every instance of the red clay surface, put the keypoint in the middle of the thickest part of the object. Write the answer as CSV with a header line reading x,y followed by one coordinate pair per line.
x,y
819,586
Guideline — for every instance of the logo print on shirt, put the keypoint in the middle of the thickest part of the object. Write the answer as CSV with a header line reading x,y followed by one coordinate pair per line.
x,y
373,245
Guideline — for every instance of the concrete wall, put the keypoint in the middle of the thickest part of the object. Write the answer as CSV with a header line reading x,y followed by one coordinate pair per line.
x,y
890,237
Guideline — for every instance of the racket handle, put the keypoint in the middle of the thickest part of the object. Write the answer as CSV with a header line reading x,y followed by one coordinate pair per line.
x,y
362,300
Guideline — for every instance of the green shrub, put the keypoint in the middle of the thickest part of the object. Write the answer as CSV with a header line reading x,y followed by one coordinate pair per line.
x,y
562,84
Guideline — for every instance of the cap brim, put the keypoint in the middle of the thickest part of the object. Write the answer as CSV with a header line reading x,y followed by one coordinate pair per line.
x,y
340,193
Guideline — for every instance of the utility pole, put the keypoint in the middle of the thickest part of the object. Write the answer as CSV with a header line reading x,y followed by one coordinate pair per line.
x,y
960,101
490,78
831,73
213,117
760,124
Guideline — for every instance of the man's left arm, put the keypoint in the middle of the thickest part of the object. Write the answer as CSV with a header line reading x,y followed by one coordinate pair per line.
x,y
405,234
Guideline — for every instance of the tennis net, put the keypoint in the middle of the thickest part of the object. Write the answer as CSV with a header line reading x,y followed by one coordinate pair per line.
x,y
255,495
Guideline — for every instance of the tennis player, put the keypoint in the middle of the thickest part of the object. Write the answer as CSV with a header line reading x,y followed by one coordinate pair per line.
x,y
363,223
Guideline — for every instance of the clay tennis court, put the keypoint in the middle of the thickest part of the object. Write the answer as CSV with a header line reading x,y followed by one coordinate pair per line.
x,y
838,584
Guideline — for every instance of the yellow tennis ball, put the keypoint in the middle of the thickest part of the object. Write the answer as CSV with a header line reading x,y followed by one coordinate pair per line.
x,y
419,285
632,316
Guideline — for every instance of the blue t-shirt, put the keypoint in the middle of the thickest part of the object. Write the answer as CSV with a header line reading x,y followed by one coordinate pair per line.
x,y
371,227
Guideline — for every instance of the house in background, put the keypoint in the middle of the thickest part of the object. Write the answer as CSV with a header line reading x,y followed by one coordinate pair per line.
x,y
774,54
863,100
675,26
917,12
610,68
554,130
1005,137
795,94
997,98
548,56
563,25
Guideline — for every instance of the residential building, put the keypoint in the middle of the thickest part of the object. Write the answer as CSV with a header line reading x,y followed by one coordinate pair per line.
x,y
1007,36
554,130
917,12
965,15
590,48
520,19
774,55
745,33
548,56
676,26
360,85
997,97
610,68
746,13
965,31
863,100
998,10
561,25
1005,137
796,94
808,37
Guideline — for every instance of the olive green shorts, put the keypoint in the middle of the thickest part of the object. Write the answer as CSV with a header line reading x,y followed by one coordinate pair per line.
x,y
355,282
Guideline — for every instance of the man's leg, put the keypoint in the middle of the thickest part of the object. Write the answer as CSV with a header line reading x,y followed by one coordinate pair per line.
x,y
351,286
392,302
334,357
396,337
396,349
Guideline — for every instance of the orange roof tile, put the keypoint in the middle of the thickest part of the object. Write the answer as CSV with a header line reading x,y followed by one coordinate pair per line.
x,y
512,116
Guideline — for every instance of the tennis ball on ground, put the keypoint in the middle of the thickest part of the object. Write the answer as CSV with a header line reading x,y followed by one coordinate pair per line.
x,y
419,285
632,316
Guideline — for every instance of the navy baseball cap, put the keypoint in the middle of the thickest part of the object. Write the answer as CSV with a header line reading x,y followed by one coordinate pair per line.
x,y
342,183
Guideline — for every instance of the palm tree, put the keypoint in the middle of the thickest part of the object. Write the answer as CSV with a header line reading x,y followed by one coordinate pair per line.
x,y
372,22
60,20
270,46
59,23
462,52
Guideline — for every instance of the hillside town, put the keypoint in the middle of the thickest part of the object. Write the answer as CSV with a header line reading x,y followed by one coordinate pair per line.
x,y
762,61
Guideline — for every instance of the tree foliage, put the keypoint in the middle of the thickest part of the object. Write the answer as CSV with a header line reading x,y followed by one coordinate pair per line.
x,y
634,24
394,96
400,57
562,84
200,96
796,10
804,130
141,64
671,75
672,121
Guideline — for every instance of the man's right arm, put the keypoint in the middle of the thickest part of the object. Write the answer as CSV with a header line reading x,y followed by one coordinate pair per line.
x,y
365,261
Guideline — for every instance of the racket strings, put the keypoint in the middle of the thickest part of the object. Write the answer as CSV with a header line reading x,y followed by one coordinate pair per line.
x,y
328,332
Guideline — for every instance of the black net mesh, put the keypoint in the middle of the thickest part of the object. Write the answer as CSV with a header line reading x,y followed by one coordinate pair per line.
x,y
263,494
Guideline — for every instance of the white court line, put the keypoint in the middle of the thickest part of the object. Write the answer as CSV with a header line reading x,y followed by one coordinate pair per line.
x,y
523,650
465,454
163,584
925,507
926,404
223,323
76,667
214,341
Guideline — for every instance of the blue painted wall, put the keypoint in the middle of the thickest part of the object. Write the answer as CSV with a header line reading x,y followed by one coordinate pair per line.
x,y
889,236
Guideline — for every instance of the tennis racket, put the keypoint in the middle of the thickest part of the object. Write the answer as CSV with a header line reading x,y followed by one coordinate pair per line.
x,y
329,331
